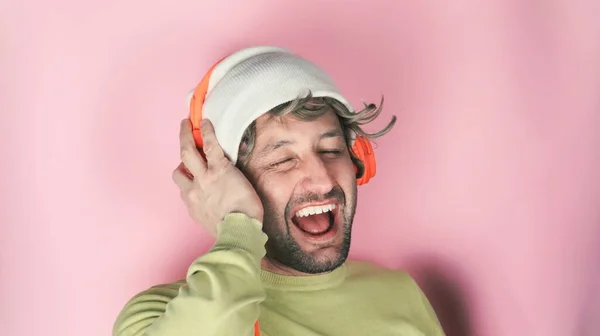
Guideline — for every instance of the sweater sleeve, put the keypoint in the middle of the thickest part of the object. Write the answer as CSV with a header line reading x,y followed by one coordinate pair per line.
x,y
220,295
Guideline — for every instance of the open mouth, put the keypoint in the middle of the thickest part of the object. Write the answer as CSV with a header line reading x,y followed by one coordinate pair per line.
x,y
315,221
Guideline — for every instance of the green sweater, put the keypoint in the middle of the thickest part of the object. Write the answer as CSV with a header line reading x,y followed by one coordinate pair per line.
x,y
226,292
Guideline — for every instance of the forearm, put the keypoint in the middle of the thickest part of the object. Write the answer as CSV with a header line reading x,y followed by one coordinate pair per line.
x,y
221,295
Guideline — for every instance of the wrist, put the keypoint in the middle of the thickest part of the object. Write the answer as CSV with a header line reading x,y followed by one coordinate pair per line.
x,y
256,214
239,231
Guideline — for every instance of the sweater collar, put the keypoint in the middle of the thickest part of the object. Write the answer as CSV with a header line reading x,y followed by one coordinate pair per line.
x,y
308,282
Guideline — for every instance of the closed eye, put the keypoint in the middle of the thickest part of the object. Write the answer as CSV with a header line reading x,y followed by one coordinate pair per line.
x,y
332,153
279,163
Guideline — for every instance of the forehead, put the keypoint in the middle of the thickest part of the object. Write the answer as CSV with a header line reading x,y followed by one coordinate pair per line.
x,y
273,128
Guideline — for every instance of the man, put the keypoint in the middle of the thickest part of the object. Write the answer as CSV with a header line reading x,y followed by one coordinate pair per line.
x,y
275,182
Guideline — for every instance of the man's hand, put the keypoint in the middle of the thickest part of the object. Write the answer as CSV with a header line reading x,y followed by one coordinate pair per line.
x,y
215,187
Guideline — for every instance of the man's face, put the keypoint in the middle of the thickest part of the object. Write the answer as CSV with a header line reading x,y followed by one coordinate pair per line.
x,y
306,180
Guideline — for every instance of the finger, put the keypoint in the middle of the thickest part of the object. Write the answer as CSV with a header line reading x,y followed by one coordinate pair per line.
x,y
212,149
181,178
190,156
181,167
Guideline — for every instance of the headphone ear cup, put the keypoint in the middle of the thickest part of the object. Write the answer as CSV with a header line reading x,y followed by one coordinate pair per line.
x,y
364,151
195,123
196,132
197,104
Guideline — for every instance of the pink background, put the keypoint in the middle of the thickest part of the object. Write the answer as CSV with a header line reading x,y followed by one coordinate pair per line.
x,y
487,189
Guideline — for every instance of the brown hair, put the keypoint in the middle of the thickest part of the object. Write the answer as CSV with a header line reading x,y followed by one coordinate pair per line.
x,y
311,108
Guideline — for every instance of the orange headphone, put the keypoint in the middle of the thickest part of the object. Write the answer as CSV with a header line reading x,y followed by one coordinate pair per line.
x,y
362,146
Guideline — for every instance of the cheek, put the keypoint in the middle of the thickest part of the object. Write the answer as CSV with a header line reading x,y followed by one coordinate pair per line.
x,y
345,171
274,195
346,178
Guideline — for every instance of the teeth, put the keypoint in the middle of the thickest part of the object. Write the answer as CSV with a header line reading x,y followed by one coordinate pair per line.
x,y
313,210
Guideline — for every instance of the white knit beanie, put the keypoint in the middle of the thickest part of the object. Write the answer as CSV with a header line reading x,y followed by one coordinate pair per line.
x,y
252,81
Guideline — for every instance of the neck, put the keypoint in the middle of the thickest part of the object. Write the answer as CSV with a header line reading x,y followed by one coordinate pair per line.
x,y
277,268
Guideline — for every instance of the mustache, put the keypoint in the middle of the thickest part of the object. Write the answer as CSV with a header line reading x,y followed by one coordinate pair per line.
x,y
335,193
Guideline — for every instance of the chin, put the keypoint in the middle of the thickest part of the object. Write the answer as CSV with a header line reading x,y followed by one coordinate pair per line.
x,y
315,239
330,259
315,258
316,264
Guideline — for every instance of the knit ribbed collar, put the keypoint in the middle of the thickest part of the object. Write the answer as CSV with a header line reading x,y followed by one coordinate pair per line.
x,y
304,283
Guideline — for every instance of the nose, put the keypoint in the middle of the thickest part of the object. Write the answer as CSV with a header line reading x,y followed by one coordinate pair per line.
x,y
317,177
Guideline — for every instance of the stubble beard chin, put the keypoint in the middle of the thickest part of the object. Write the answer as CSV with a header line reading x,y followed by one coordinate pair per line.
x,y
284,252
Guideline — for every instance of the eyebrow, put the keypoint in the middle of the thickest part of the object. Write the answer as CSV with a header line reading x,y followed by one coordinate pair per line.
x,y
332,134
282,143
